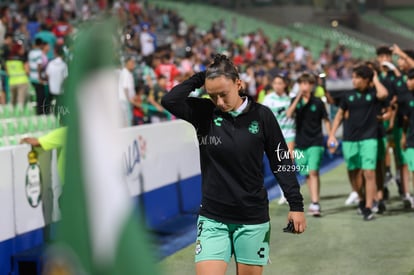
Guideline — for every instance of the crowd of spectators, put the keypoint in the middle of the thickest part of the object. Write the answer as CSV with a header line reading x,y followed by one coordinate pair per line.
x,y
162,44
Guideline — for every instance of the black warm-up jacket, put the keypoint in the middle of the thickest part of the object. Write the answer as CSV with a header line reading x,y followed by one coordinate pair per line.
x,y
231,156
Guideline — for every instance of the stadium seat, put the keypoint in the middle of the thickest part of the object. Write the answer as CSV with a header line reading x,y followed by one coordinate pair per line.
x,y
29,110
11,128
404,15
22,126
4,141
51,122
6,111
32,124
18,110
41,123
14,140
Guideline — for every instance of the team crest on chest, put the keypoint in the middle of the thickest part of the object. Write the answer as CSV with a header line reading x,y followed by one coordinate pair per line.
x,y
254,127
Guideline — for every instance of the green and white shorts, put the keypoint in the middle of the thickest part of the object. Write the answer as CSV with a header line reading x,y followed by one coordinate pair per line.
x,y
220,241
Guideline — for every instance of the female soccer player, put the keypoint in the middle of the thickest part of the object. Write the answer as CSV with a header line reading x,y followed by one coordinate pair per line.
x,y
234,212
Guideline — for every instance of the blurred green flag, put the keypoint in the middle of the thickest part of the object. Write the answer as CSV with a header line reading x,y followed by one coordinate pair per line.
x,y
98,233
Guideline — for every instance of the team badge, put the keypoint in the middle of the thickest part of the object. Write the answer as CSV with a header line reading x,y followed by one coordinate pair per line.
x,y
218,120
33,181
254,127
198,248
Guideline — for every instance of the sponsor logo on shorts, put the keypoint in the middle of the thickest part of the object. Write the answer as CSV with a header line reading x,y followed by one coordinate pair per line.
x,y
198,248
260,252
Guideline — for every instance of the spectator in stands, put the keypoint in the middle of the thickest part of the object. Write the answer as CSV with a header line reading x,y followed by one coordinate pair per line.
x,y
126,90
157,112
146,41
56,73
309,113
249,80
360,138
279,101
168,69
45,34
16,68
263,80
35,70
234,214
22,34
62,28
320,90
4,20
138,113
6,48
5,51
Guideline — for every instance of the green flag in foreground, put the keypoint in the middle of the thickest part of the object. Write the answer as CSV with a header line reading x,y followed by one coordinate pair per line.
x,y
98,233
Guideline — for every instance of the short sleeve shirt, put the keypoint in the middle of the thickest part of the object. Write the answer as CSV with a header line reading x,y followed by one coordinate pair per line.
x,y
362,122
308,119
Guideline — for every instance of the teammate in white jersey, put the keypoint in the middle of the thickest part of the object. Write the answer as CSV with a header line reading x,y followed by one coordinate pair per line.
x,y
279,101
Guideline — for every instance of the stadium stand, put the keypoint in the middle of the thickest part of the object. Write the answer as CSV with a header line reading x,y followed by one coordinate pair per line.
x,y
17,122
403,15
388,24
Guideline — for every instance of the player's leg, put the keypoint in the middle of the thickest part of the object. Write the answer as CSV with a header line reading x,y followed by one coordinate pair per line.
x,y
251,248
368,155
244,269
314,155
380,176
213,247
350,152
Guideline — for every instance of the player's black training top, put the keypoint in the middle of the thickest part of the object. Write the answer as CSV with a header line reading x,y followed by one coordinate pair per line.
x,y
387,79
231,156
407,110
308,118
363,111
403,93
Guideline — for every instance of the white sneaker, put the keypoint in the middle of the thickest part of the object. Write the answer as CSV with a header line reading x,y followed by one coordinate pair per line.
x,y
314,209
353,198
408,202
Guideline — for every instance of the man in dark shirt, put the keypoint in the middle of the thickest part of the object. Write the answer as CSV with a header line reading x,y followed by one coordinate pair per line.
x,y
157,113
360,139
309,113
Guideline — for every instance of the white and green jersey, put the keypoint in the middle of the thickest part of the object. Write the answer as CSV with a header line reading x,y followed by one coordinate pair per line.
x,y
35,58
279,105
